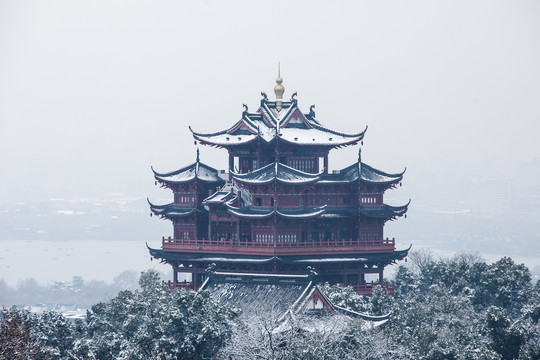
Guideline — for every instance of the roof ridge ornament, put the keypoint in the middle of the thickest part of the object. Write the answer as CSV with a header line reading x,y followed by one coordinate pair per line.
x,y
312,111
279,90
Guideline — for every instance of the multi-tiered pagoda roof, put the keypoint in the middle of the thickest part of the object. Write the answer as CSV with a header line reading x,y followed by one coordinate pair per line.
x,y
278,208
288,125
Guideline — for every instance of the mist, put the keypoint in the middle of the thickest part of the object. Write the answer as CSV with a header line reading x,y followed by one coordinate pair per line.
x,y
94,93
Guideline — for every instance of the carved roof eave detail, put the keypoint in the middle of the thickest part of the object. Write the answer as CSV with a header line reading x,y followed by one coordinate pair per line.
x,y
359,172
387,258
329,143
220,197
275,125
192,172
315,212
272,172
264,213
392,178
384,211
254,215
172,210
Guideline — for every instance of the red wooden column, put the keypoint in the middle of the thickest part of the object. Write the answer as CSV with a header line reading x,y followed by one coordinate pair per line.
x,y
380,274
209,224
195,279
231,165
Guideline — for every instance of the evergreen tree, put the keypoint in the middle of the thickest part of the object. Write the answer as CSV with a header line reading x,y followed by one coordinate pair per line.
x,y
15,340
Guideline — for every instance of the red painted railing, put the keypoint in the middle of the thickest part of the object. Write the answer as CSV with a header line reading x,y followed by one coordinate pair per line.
x,y
283,248
367,288
179,285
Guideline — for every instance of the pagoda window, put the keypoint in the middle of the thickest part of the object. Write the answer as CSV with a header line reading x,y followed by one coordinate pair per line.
x,y
286,238
305,165
369,200
258,202
264,238
328,236
254,164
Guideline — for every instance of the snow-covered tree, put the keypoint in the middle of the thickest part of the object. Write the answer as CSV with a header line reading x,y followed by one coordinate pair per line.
x,y
16,343
156,323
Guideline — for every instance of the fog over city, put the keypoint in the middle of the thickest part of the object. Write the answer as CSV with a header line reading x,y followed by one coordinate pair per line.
x,y
93,93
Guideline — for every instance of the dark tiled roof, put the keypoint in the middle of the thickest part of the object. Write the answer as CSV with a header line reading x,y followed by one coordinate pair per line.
x,y
300,212
384,211
279,298
341,211
252,212
364,173
220,197
173,210
268,295
296,212
259,259
294,127
276,171
197,170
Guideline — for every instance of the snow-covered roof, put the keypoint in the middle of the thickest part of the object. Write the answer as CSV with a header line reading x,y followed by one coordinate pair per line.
x,y
261,212
276,171
257,294
279,297
363,172
205,257
197,170
289,124
384,210
300,212
219,197
175,210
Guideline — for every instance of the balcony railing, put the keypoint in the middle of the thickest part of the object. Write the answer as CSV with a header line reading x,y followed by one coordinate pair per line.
x,y
180,285
282,248
367,288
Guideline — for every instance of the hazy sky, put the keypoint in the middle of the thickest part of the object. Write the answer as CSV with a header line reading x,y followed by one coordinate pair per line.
x,y
94,92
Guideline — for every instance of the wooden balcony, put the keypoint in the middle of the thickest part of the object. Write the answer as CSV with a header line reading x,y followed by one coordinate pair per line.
x,y
367,288
281,248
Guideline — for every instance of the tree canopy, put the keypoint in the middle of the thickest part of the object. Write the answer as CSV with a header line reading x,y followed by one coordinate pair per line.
x,y
458,308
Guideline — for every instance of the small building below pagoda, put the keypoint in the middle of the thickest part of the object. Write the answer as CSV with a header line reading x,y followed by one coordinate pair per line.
x,y
284,301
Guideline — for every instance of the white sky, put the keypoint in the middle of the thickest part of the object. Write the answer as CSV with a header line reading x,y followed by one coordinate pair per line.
x,y
94,92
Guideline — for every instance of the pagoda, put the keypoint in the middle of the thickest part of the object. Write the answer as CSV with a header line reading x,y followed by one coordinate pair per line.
x,y
278,210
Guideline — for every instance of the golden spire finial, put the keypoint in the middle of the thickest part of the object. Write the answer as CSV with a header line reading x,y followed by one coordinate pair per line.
x,y
279,89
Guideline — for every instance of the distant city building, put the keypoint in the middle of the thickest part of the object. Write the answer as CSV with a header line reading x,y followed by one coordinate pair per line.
x,y
278,210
